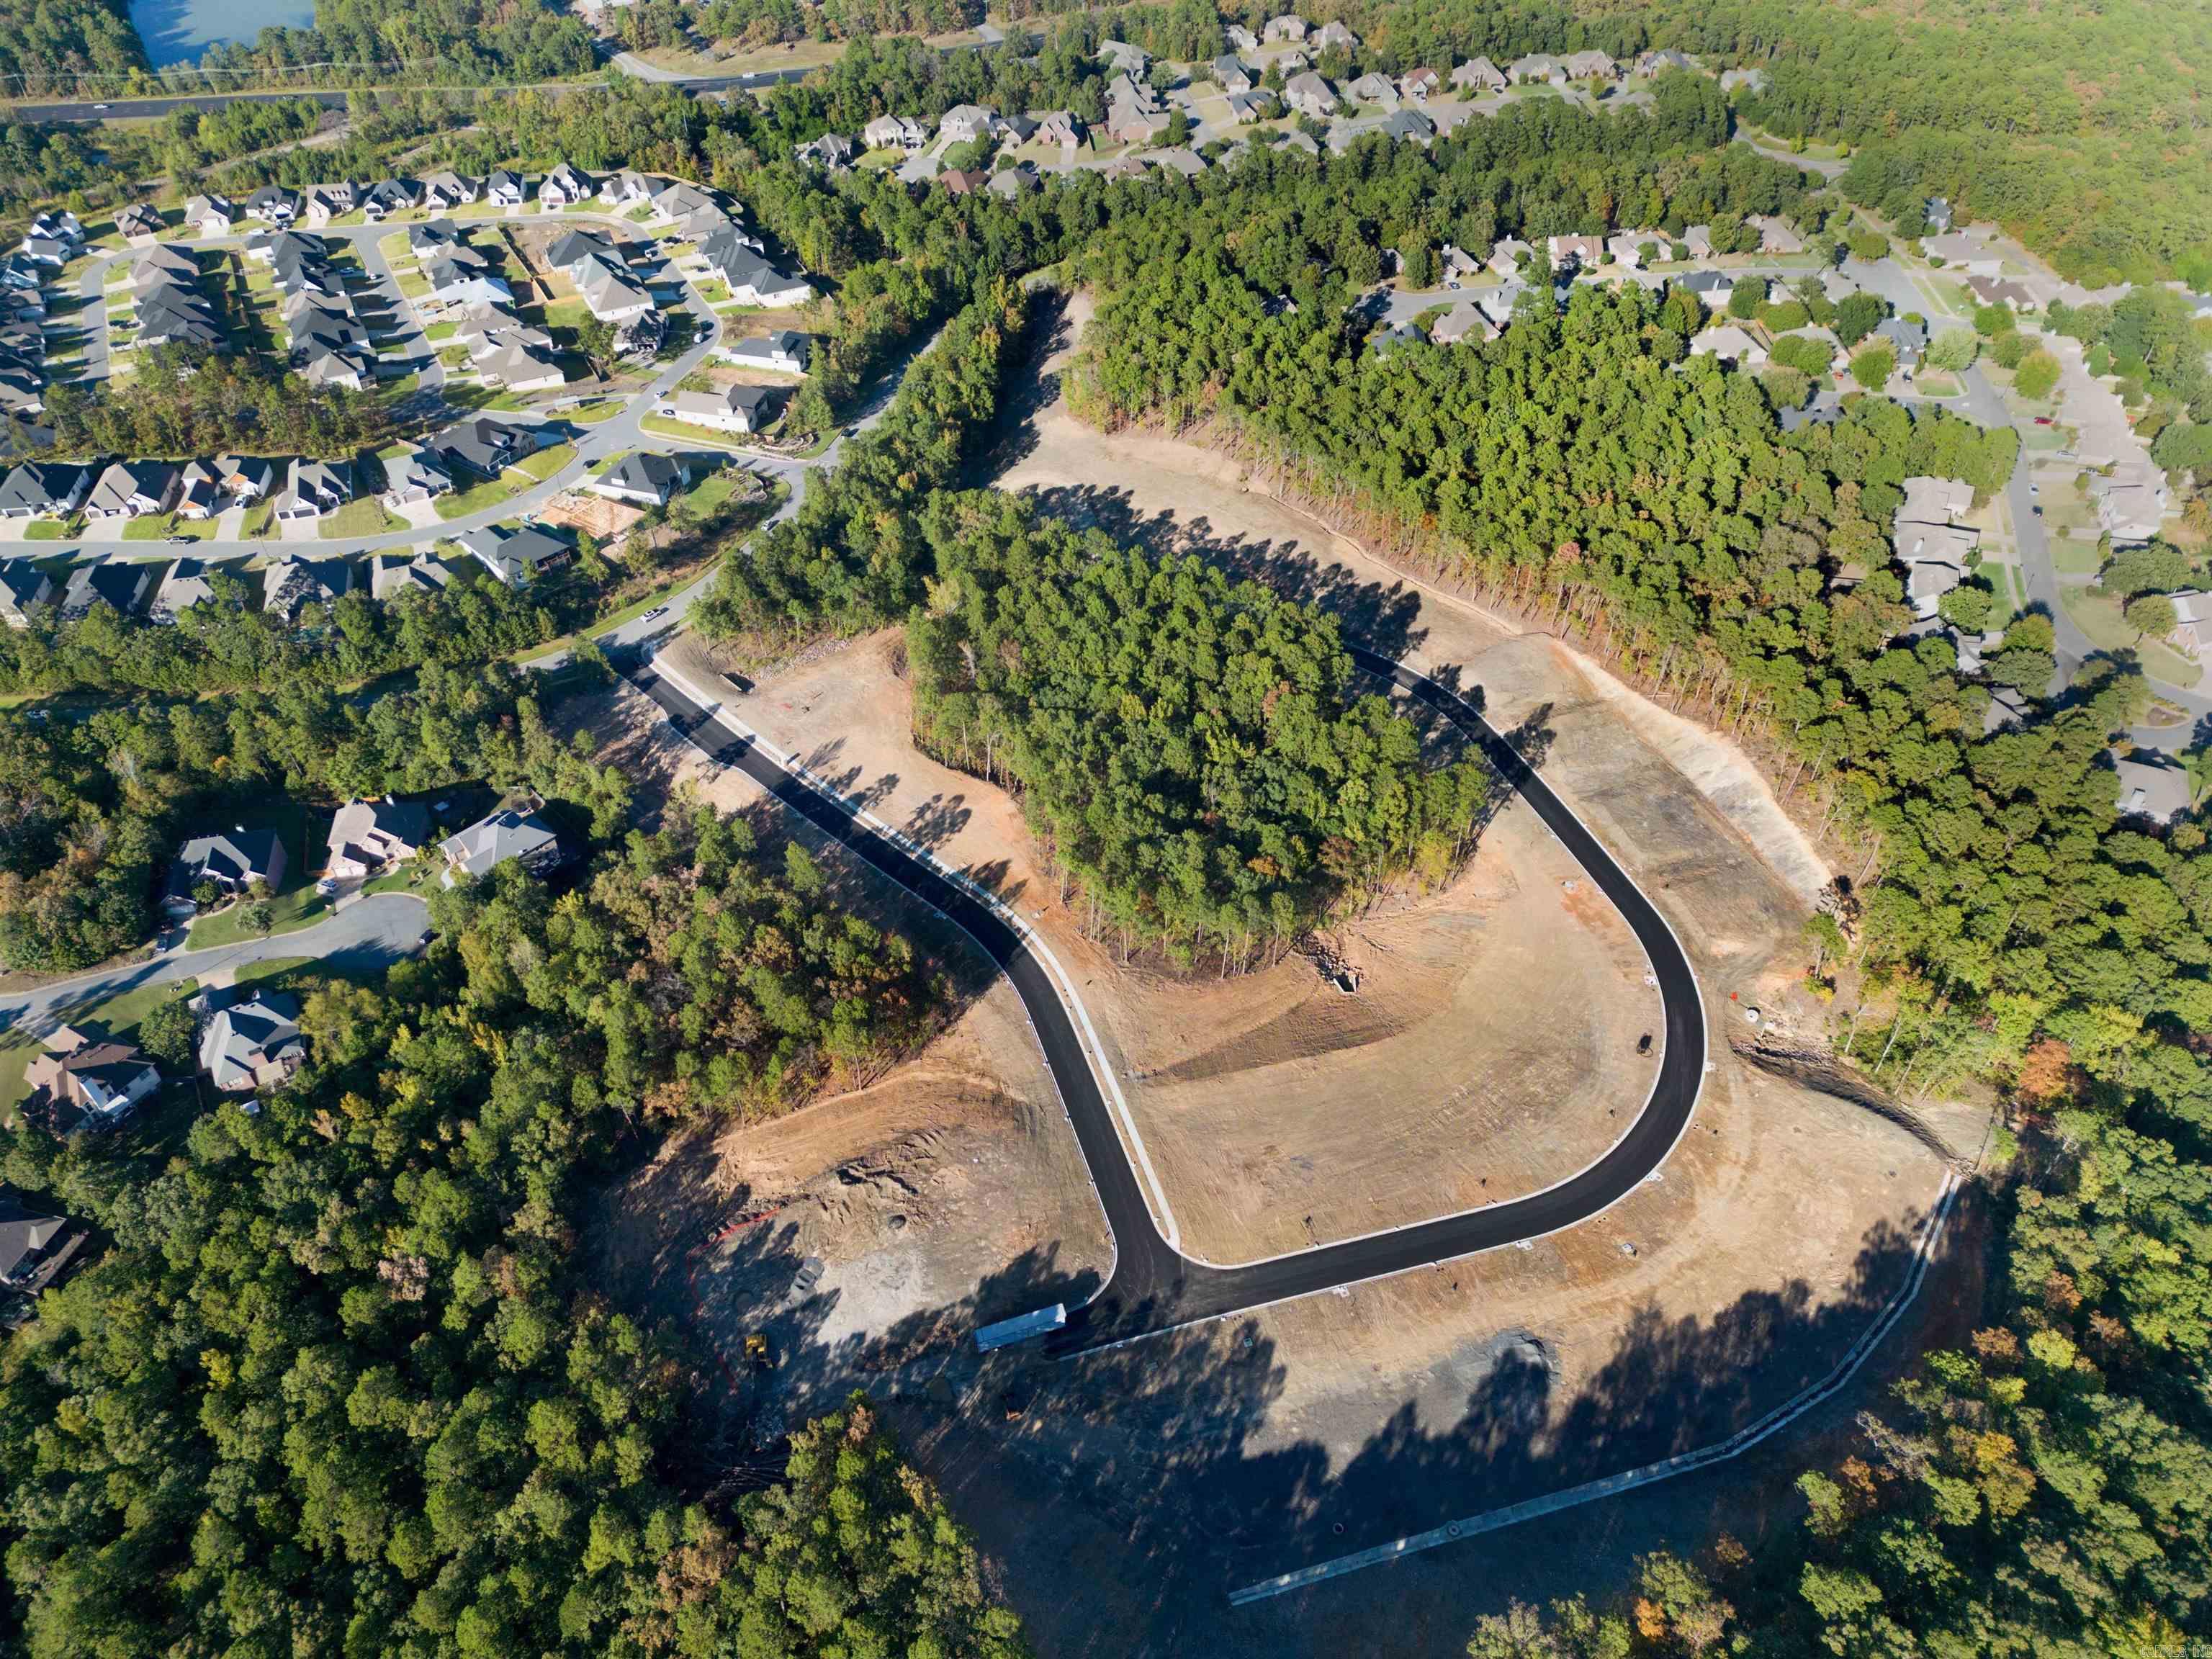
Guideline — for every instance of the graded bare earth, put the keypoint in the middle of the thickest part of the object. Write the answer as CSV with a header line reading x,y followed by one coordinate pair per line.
x,y
1126,1492
1490,1051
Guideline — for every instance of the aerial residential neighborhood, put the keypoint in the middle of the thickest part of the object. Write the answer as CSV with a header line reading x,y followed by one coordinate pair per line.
x,y
1380,831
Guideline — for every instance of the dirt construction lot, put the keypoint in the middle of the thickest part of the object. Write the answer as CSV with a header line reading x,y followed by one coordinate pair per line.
x,y
1493,1033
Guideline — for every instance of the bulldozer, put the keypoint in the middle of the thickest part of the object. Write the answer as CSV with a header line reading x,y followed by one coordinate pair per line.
x,y
759,1355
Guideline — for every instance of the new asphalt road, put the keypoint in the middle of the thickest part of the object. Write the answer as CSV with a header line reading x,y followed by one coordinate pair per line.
x,y
1154,1286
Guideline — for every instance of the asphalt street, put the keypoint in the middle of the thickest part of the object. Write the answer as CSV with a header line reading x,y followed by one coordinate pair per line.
x,y
369,933
1153,1286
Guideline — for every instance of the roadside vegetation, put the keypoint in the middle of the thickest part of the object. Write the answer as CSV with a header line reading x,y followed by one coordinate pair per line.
x,y
359,1396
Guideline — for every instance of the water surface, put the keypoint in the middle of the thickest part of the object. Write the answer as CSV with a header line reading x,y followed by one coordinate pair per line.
x,y
175,30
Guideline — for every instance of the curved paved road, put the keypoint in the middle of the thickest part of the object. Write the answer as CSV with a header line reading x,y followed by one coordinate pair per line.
x,y
1154,1286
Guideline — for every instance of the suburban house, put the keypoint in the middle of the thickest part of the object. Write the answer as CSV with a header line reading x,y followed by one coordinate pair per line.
x,y
1333,35
1649,64
1241,39
43,489
1133,115
388,196
1244,107
1420,84
394,575
963,124
324,203
680,200
642,480
369,836
1930,543
966,181
312,489
1507,255
1577,253
1908,338
1120,54
2001,291
1012,184
273,204
1774,235
1937,212
564,187
1288,26
1697,242
1408,126
1479,76
128,489
245,477
2131,501
522,836
520,359
752,279
1463,321
139,223
443,190
783,350
1537,66
122,588
1373,88
211,216
251,1039
233,861
1307,93
413,475
1626,248
2154,786
23,589
626,189
82,1082
506,188
187,582
290,584
896,132
608,290
1231,75
731,409
1591,66
482,446
1730,344
35,1244
517,558
832,151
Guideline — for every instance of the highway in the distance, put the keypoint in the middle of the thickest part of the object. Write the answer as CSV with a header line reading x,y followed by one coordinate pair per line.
x,y
1153,1286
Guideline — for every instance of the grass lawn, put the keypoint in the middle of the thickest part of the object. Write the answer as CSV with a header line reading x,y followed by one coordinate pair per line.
x,y
546,463
364,515
570,314
592,413
159,527
49,530
412,287
438,331
258,520
716,488
714,291
697,434
2100,619
459,503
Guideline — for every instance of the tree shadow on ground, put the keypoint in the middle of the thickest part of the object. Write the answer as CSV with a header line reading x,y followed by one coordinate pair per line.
x,y
1128,1490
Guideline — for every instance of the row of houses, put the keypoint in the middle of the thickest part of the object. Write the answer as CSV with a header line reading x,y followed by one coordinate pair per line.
x,y
327,340
478,302
51,239
170,307
280,208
